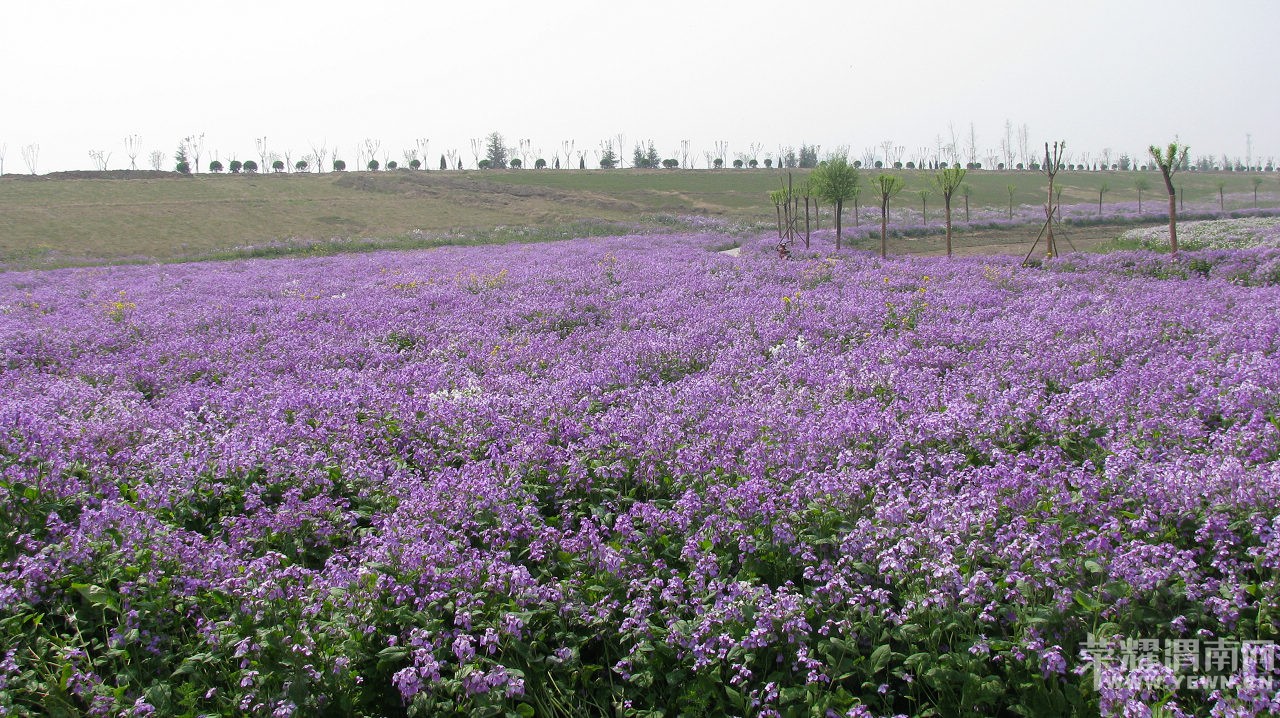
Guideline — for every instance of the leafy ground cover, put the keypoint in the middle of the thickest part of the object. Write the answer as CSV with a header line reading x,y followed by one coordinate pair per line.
x,y
1237,233
592,478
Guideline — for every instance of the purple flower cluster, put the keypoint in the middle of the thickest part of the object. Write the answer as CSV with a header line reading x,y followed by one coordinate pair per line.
x,y
454,475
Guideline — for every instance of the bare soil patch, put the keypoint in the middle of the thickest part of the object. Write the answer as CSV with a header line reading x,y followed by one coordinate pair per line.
x,y
1016,240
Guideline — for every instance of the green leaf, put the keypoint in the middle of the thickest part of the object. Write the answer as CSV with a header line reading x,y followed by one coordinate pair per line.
x,y
96,595
735,698
880,658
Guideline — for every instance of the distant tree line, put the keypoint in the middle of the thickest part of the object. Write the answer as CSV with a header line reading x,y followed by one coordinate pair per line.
x,y
954,149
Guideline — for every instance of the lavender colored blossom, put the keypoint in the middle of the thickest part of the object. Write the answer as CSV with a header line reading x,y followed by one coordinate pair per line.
x,y
439,471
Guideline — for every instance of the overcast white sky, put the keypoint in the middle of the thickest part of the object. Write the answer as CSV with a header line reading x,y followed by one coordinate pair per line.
x,y
81,75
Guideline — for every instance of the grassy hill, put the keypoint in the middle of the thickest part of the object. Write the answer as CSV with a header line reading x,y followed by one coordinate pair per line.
x,y
79,218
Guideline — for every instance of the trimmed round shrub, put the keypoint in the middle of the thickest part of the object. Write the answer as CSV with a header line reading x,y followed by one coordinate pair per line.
x,y
737,164
372,166
485,164
250,166
911,165
897,165
415,164
277,166
768,163
515,164
753,164
183,167
235,166
300,165
339,166
671,163
718,163
539,164
392,165
215,166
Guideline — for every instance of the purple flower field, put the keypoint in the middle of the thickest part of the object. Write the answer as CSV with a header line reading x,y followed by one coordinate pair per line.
x,y
635,477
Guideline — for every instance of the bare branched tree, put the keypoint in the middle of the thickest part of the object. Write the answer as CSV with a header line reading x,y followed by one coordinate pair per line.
x,y
684,154
478,149
1052,163
722,151
157,160
1024,145
971,146
31,156
371,147
1006,145
423,144
100,159
886,151
195,147
132,146
319,152
622,142
261,142
454,160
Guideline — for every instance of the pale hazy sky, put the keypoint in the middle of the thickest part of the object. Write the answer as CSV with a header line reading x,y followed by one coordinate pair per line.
x,y
82,75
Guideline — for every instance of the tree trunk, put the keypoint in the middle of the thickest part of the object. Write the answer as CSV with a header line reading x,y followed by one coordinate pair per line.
x,y
839,209
1051,248
856,220
778,207
946,200
806,222
1173,207
966,209
884,229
